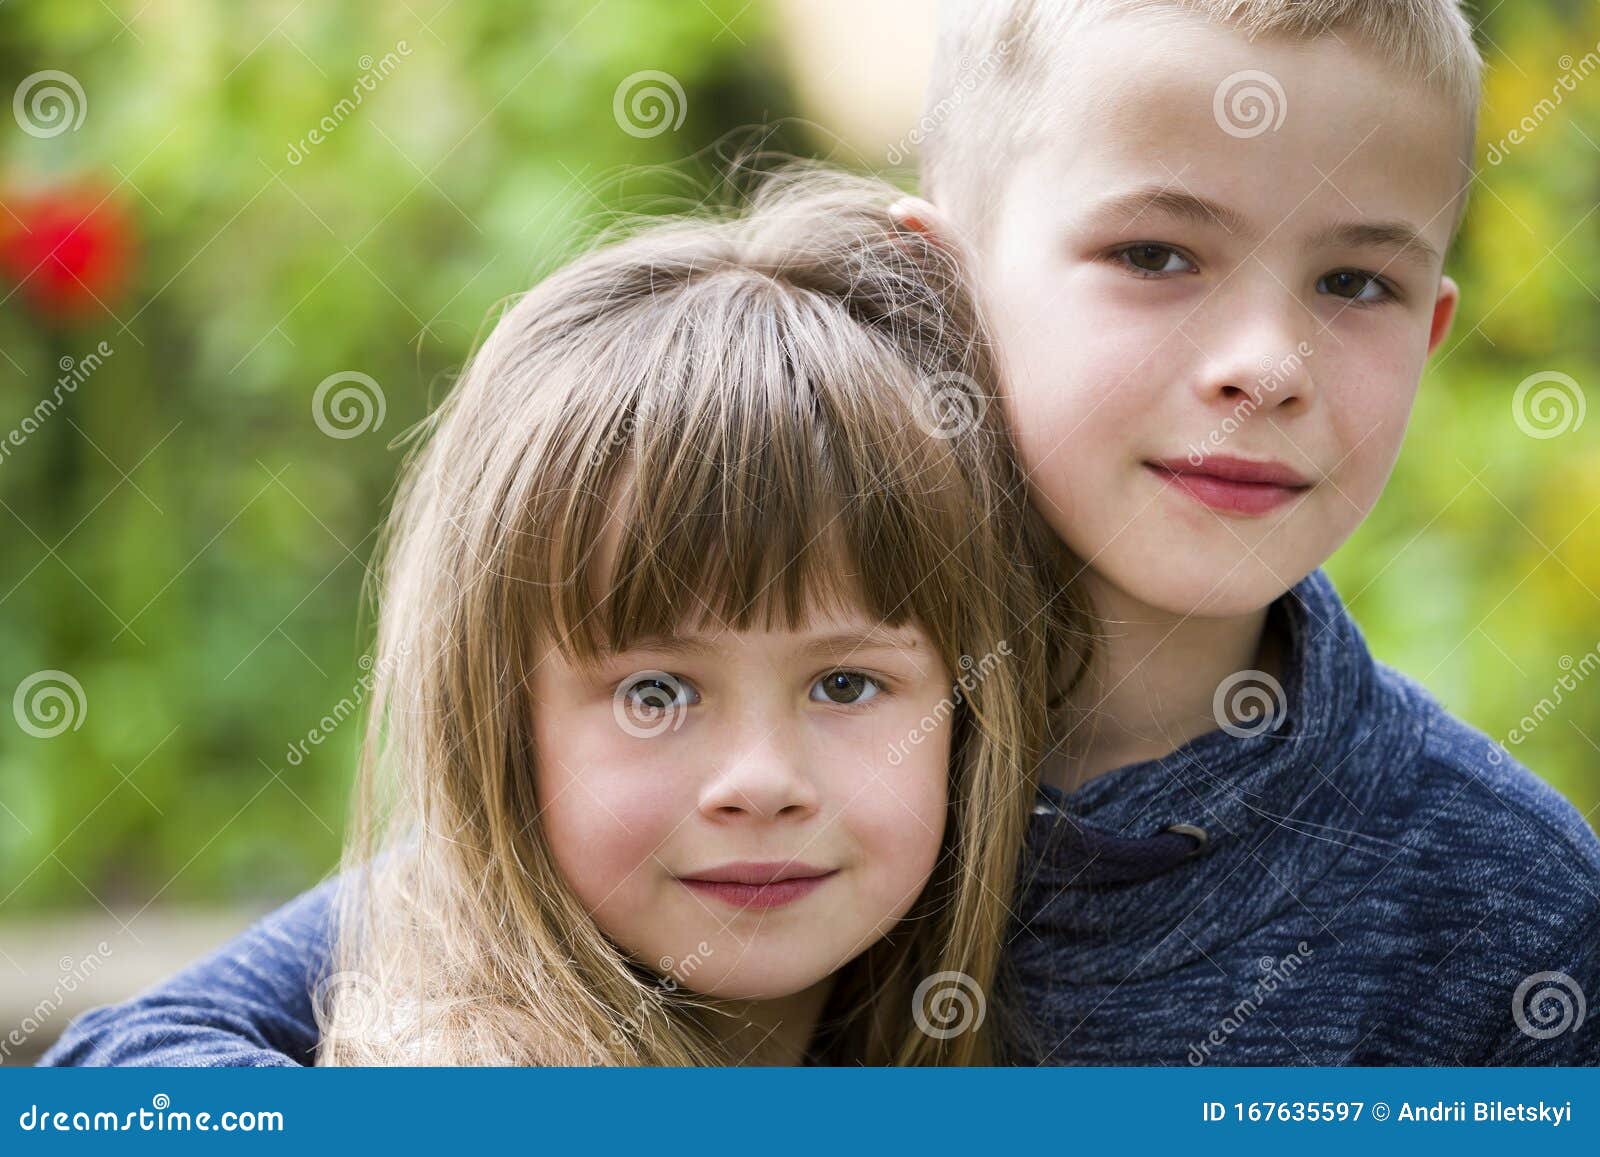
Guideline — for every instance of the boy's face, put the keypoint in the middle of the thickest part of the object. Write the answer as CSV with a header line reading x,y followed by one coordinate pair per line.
x,y
1167,292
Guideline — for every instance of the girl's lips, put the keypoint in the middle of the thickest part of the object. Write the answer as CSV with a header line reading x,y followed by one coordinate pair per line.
x,y
1247,490
773,895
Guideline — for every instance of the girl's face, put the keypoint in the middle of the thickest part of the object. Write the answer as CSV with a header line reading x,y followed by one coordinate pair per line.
x,y
819,757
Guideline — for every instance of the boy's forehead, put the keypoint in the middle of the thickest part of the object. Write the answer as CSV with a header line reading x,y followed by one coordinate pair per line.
x,y
1276,130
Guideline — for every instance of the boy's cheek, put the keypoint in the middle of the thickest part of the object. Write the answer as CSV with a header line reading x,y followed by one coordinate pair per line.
x,y
1371,408
1368,467
1081,413
1086,357
1043,433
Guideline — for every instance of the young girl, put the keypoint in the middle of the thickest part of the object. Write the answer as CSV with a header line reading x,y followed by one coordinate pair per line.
x,y
713,647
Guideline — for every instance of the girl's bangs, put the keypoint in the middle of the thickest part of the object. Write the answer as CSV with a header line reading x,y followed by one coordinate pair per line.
x,y
760,469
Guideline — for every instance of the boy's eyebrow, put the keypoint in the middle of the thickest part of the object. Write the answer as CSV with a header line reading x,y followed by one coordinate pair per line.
x,y
1127,207
1408,243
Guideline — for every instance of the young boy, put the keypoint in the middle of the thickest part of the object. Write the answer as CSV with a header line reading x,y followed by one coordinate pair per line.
x,y
1211,236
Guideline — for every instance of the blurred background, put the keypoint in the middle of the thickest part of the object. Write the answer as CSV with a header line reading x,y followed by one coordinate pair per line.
x,y
243,247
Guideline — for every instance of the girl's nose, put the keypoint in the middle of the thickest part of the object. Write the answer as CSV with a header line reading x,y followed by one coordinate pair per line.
x,y
762,773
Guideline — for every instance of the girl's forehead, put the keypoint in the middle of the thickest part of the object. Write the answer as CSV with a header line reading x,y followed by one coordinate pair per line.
x,y
709,595
828,621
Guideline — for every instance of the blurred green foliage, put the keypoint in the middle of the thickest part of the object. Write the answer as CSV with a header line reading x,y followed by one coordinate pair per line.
x,y
181,537
186,542
1479,570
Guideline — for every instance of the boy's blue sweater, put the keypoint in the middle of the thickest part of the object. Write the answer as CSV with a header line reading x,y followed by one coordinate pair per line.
x,y
1379,884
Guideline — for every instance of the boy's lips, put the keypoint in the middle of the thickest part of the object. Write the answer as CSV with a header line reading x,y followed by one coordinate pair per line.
x,y
1232,485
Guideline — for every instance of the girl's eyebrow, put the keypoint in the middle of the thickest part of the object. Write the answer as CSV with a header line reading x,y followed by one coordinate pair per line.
x,y
870,638
867,640
698,645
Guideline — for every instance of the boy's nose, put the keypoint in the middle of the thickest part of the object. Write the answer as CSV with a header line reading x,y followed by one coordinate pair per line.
x,y
1260,362
762,774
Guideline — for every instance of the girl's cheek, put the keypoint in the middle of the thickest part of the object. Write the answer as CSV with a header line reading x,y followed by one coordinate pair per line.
x,y
633,801
899,809
602,828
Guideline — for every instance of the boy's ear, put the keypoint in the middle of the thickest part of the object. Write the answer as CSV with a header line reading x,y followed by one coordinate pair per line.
x,y
921,216
1444,312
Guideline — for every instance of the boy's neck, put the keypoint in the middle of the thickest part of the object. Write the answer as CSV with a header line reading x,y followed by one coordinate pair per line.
x,y
1152,685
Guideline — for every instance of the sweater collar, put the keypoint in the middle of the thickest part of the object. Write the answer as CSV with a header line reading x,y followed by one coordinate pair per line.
x,y
1278,804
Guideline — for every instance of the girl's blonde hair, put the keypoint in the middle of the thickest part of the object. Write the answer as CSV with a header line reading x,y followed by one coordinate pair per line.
x,y
783,406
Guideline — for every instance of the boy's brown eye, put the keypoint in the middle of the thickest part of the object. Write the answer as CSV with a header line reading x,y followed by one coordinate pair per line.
x,y
1358,287
1151,258
1347,283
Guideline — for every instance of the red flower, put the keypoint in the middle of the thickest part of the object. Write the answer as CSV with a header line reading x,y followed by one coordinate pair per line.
x,y
64,249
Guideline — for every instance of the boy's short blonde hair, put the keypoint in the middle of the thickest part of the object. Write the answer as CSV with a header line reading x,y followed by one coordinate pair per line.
x,y
990,79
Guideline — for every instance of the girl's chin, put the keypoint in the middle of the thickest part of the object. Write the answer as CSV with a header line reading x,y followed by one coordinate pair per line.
x,y
754,986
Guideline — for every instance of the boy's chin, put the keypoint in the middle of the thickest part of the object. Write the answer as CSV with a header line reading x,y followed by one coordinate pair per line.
x,y
1207,589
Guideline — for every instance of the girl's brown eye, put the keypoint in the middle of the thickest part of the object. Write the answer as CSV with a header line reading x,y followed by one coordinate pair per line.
x,y
846,687
657,692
